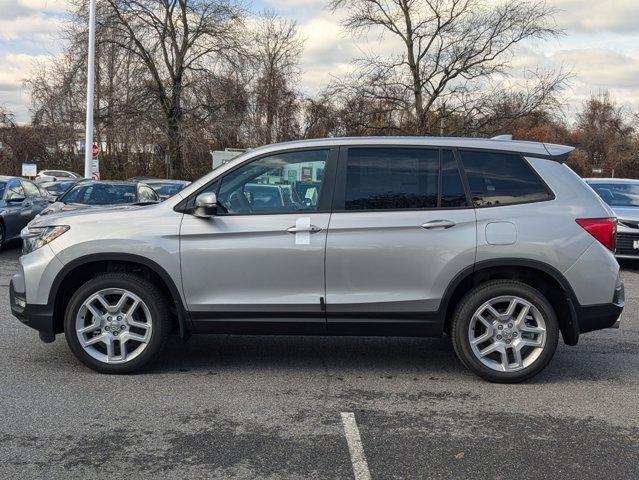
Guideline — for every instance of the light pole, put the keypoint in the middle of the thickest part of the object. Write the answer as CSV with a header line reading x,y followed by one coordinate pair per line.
x,y
88,143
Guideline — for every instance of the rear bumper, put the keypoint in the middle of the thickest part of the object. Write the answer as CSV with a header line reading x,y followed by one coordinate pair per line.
x,y
597,317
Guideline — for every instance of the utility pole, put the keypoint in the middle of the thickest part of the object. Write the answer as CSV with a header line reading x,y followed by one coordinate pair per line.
x,y
88,142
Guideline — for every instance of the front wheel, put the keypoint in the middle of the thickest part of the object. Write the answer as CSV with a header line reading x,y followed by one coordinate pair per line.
x,y
505,331
117,323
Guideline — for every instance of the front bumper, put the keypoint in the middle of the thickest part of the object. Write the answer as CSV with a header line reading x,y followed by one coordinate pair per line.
x,y
38,317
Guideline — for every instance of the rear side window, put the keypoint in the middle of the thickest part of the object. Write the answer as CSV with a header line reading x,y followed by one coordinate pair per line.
x,y
453,194
497,179
391,178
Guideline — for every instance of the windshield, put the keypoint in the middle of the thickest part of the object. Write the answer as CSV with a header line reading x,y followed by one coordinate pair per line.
x,y
618,194
56,187
167,189
100,194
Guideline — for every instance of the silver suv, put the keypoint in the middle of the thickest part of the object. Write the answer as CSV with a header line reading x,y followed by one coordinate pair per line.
x,y
496,243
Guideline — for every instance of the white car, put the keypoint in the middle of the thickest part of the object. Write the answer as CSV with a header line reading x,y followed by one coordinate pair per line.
x,y
53,175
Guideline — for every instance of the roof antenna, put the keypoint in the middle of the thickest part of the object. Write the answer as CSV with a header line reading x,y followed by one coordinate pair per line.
x,y
503,137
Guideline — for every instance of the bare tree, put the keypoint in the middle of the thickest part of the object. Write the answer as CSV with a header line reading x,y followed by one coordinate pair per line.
x,y
175,39
277,50
604,135
450,47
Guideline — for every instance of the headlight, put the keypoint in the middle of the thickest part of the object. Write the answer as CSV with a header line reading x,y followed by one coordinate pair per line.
x,y
36,237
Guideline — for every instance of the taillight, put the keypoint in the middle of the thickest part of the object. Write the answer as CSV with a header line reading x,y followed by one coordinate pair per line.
x,y
603,229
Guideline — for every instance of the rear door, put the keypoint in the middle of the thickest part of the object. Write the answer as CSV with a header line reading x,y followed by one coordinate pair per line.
x,y
402,228
34,196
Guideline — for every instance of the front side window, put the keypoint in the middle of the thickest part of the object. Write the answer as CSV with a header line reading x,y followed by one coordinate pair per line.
x,y
31,190
146,194
497,179
391,178
14,190
281,183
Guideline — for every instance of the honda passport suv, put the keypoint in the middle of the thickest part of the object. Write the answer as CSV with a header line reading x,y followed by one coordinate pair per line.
x,y
495,242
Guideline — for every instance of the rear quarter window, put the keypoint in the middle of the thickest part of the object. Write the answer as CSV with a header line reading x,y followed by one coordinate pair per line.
x,y
497,179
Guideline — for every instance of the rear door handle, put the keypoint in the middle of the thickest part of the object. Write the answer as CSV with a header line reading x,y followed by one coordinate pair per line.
x,y
433,224
312,229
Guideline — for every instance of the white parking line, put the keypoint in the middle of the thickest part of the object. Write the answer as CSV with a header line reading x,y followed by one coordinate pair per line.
x,y
358,459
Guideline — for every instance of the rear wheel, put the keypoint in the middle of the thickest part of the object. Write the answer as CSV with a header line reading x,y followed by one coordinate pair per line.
x,y
505,331
117,323
2,236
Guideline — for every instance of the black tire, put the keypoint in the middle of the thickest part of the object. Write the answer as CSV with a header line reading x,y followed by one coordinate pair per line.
x,y
1,236
473,300
148,293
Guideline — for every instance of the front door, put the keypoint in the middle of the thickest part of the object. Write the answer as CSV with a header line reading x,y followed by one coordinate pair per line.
x,y
260,261
401,231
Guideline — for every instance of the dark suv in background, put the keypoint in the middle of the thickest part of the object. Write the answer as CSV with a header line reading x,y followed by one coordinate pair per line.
x,y
21,201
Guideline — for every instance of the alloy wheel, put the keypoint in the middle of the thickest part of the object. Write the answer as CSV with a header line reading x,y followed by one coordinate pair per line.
x,y
507,333
113,325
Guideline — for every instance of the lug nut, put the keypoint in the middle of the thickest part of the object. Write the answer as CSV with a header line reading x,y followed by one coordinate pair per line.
x,y
121,327
119,317
115,333
507,341
498,337
514,334
500,327
109,318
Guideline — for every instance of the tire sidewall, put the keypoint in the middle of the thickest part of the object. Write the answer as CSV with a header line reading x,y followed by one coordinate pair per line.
x,y
474,300
150,296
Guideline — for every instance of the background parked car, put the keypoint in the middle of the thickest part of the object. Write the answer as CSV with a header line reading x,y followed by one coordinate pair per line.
x,y
93,193
622,195
52,175
165,188
21,201
58,187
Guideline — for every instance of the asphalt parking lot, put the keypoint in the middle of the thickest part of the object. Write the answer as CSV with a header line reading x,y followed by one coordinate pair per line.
x,y
285,407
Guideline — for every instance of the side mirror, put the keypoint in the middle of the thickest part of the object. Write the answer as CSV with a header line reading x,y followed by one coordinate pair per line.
x,y
16,199
205,205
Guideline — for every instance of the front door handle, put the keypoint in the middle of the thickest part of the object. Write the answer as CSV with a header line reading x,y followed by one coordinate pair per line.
x,y
433,224
311,228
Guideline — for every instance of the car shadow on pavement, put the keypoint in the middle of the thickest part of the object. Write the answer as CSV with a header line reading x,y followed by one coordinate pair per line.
x,y
366,354
431,358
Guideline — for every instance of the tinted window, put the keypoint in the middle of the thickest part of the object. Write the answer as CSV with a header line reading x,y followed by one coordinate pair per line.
x,y
57,187
30,189
146,194
167,189
501,179
100,194
453,194
618,194
391,178
272,184
14,190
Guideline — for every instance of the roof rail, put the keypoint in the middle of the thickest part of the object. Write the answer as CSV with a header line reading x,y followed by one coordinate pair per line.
x,y
503,137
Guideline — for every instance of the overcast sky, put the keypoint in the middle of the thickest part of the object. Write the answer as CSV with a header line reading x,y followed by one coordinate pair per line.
x,y
600,47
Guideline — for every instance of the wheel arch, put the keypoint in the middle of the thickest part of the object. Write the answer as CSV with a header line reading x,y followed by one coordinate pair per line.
x,y
541,276
83,268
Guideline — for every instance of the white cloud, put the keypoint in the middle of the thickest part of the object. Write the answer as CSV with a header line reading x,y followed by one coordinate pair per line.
x,y
15,69
598,15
